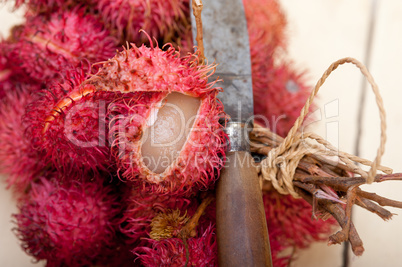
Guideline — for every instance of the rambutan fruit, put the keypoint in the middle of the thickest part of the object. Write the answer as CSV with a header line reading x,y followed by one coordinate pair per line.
x,y
46,45
266,24
161,19
67,123
291,225
18,160
154,225
143,207
183,42
12,77
68,224
168,135
202,251
35,7
276,83
272,83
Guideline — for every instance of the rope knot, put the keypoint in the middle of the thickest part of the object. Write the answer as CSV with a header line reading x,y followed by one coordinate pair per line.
x,y
280,165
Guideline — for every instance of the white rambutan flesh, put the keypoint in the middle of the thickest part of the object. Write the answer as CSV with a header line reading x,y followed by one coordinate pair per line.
x,y
170,126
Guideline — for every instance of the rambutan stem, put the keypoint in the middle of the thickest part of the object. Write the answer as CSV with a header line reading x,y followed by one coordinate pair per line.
x,y
187,251
189,229
65,103
197,9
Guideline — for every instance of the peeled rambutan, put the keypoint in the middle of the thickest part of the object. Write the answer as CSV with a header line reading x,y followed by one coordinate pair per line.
x,y
68,224
46,45
202,251
68,125
168,135
277,83
125,18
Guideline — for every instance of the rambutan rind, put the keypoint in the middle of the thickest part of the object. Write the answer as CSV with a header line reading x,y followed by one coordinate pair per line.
x,y
266,24
67,224
125,18
153,224
143,207
35,7
151,69
12,76
68,125
290,225
172,252
18,160
46,45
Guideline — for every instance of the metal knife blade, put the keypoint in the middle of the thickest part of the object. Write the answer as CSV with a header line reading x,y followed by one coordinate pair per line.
x,y
228,45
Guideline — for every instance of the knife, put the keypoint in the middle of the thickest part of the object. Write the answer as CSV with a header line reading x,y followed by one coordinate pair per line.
x,y
242,234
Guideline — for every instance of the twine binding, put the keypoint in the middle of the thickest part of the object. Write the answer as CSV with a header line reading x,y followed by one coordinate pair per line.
x,y
280,165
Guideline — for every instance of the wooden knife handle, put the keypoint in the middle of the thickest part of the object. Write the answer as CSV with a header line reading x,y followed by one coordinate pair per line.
x,y
242,233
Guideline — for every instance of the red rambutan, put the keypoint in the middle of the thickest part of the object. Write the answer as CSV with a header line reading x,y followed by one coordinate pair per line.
x,y
68,125
18,159
168,134
142,208
47,6
202,251
183,42
69,224
290,225
273,86
46,45
156,225
266,24
12,77
161,19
